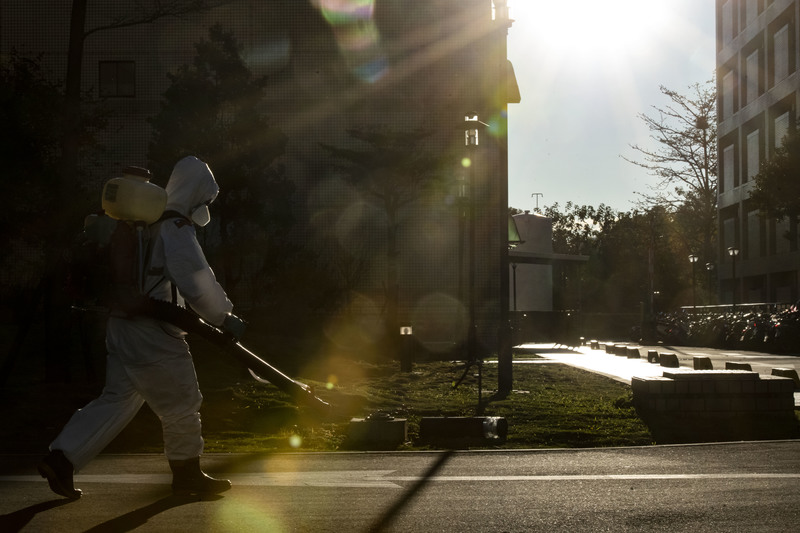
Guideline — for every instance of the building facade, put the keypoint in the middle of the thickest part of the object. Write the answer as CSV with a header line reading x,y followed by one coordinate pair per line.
x,y
758,55
331,68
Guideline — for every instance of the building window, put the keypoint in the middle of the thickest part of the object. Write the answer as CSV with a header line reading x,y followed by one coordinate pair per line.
x,y
753,235
750,11
753,155
729,235
727,22
751,73
780,42
728,169
727,95
117,79
781,129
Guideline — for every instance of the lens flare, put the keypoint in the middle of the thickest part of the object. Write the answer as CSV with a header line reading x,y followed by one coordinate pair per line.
x,y
332,381
357,36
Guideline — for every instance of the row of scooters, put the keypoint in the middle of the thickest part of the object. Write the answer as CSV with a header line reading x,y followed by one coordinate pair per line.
x,y
756,330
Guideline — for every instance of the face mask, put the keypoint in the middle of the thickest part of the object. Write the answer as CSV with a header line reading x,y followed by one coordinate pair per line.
x,y
201,215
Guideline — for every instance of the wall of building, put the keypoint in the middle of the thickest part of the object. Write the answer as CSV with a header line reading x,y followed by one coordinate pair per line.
x,y
418,67
758,56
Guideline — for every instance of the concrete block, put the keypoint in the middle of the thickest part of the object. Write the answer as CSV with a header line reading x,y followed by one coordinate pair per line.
x,y
762,403
669,360
711,405
742,404
673,404
702,362
639,385
655,385
701,375
594,345
609,348
778,384
378,432
732,365
633,352
716,403
456,431
775,404
621,350
692,405
652,357
790,373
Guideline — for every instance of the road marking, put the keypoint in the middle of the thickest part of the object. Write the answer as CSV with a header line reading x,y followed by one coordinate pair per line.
x,y
336,478
600,477
385,479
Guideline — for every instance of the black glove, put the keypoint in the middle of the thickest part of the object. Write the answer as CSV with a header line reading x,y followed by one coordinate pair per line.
x,y
234,325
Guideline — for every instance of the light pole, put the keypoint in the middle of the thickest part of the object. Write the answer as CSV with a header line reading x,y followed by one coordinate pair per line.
x,y
471,141
693,260
733,252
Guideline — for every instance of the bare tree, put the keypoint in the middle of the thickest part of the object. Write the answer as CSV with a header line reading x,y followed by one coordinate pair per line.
x,y
685,162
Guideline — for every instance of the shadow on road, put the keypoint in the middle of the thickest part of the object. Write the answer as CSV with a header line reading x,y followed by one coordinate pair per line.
x,y
139,517
13,522
386,519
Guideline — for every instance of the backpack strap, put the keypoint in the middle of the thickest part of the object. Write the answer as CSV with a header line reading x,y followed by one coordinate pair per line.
x,y
171,213
181,221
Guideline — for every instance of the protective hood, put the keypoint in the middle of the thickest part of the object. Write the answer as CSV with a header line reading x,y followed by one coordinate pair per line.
x,y
190,186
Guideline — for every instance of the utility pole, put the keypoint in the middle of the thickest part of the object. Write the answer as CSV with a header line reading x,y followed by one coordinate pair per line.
x,y
536,195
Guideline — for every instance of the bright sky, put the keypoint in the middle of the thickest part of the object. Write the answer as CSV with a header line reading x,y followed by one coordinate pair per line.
x,y
585,69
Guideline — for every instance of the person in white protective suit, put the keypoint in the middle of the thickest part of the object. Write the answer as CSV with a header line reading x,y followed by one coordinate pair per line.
x,y
149,360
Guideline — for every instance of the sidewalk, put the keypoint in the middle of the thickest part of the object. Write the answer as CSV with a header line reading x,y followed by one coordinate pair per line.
x,y
623,369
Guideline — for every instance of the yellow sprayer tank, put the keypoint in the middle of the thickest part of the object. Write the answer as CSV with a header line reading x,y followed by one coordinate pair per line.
x,y
133,197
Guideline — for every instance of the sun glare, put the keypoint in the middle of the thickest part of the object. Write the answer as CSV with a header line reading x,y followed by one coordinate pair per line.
x,y
592,30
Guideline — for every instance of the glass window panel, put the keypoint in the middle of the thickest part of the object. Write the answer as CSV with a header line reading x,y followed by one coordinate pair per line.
x,y
753,154
728,168
781,51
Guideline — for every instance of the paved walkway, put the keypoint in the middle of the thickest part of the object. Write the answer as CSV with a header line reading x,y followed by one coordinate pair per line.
x,y
623,369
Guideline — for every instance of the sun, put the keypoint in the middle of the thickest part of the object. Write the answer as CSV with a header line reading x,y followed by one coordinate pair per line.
x,y
590,31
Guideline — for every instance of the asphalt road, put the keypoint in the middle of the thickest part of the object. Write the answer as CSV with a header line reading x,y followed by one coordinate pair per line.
x,y
719,487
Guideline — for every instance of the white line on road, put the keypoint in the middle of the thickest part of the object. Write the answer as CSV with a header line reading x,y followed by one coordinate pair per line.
x,y
385,479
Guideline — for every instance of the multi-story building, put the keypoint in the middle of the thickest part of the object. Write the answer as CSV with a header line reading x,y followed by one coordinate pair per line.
x,y
333,67
758,55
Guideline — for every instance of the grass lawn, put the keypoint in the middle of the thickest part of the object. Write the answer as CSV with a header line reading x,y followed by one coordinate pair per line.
x,y
552,405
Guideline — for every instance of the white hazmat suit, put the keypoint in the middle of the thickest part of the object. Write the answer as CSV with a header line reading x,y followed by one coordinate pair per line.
x,y
149,360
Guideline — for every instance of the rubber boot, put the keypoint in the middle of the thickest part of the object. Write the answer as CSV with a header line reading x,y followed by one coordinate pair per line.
x,y
58,471
188,478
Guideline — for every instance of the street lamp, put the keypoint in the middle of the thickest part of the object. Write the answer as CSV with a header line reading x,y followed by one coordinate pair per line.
x,y
693,260
733,252
471,141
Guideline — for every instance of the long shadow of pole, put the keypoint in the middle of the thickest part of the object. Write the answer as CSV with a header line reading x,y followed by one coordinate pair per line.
x,y
398,506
